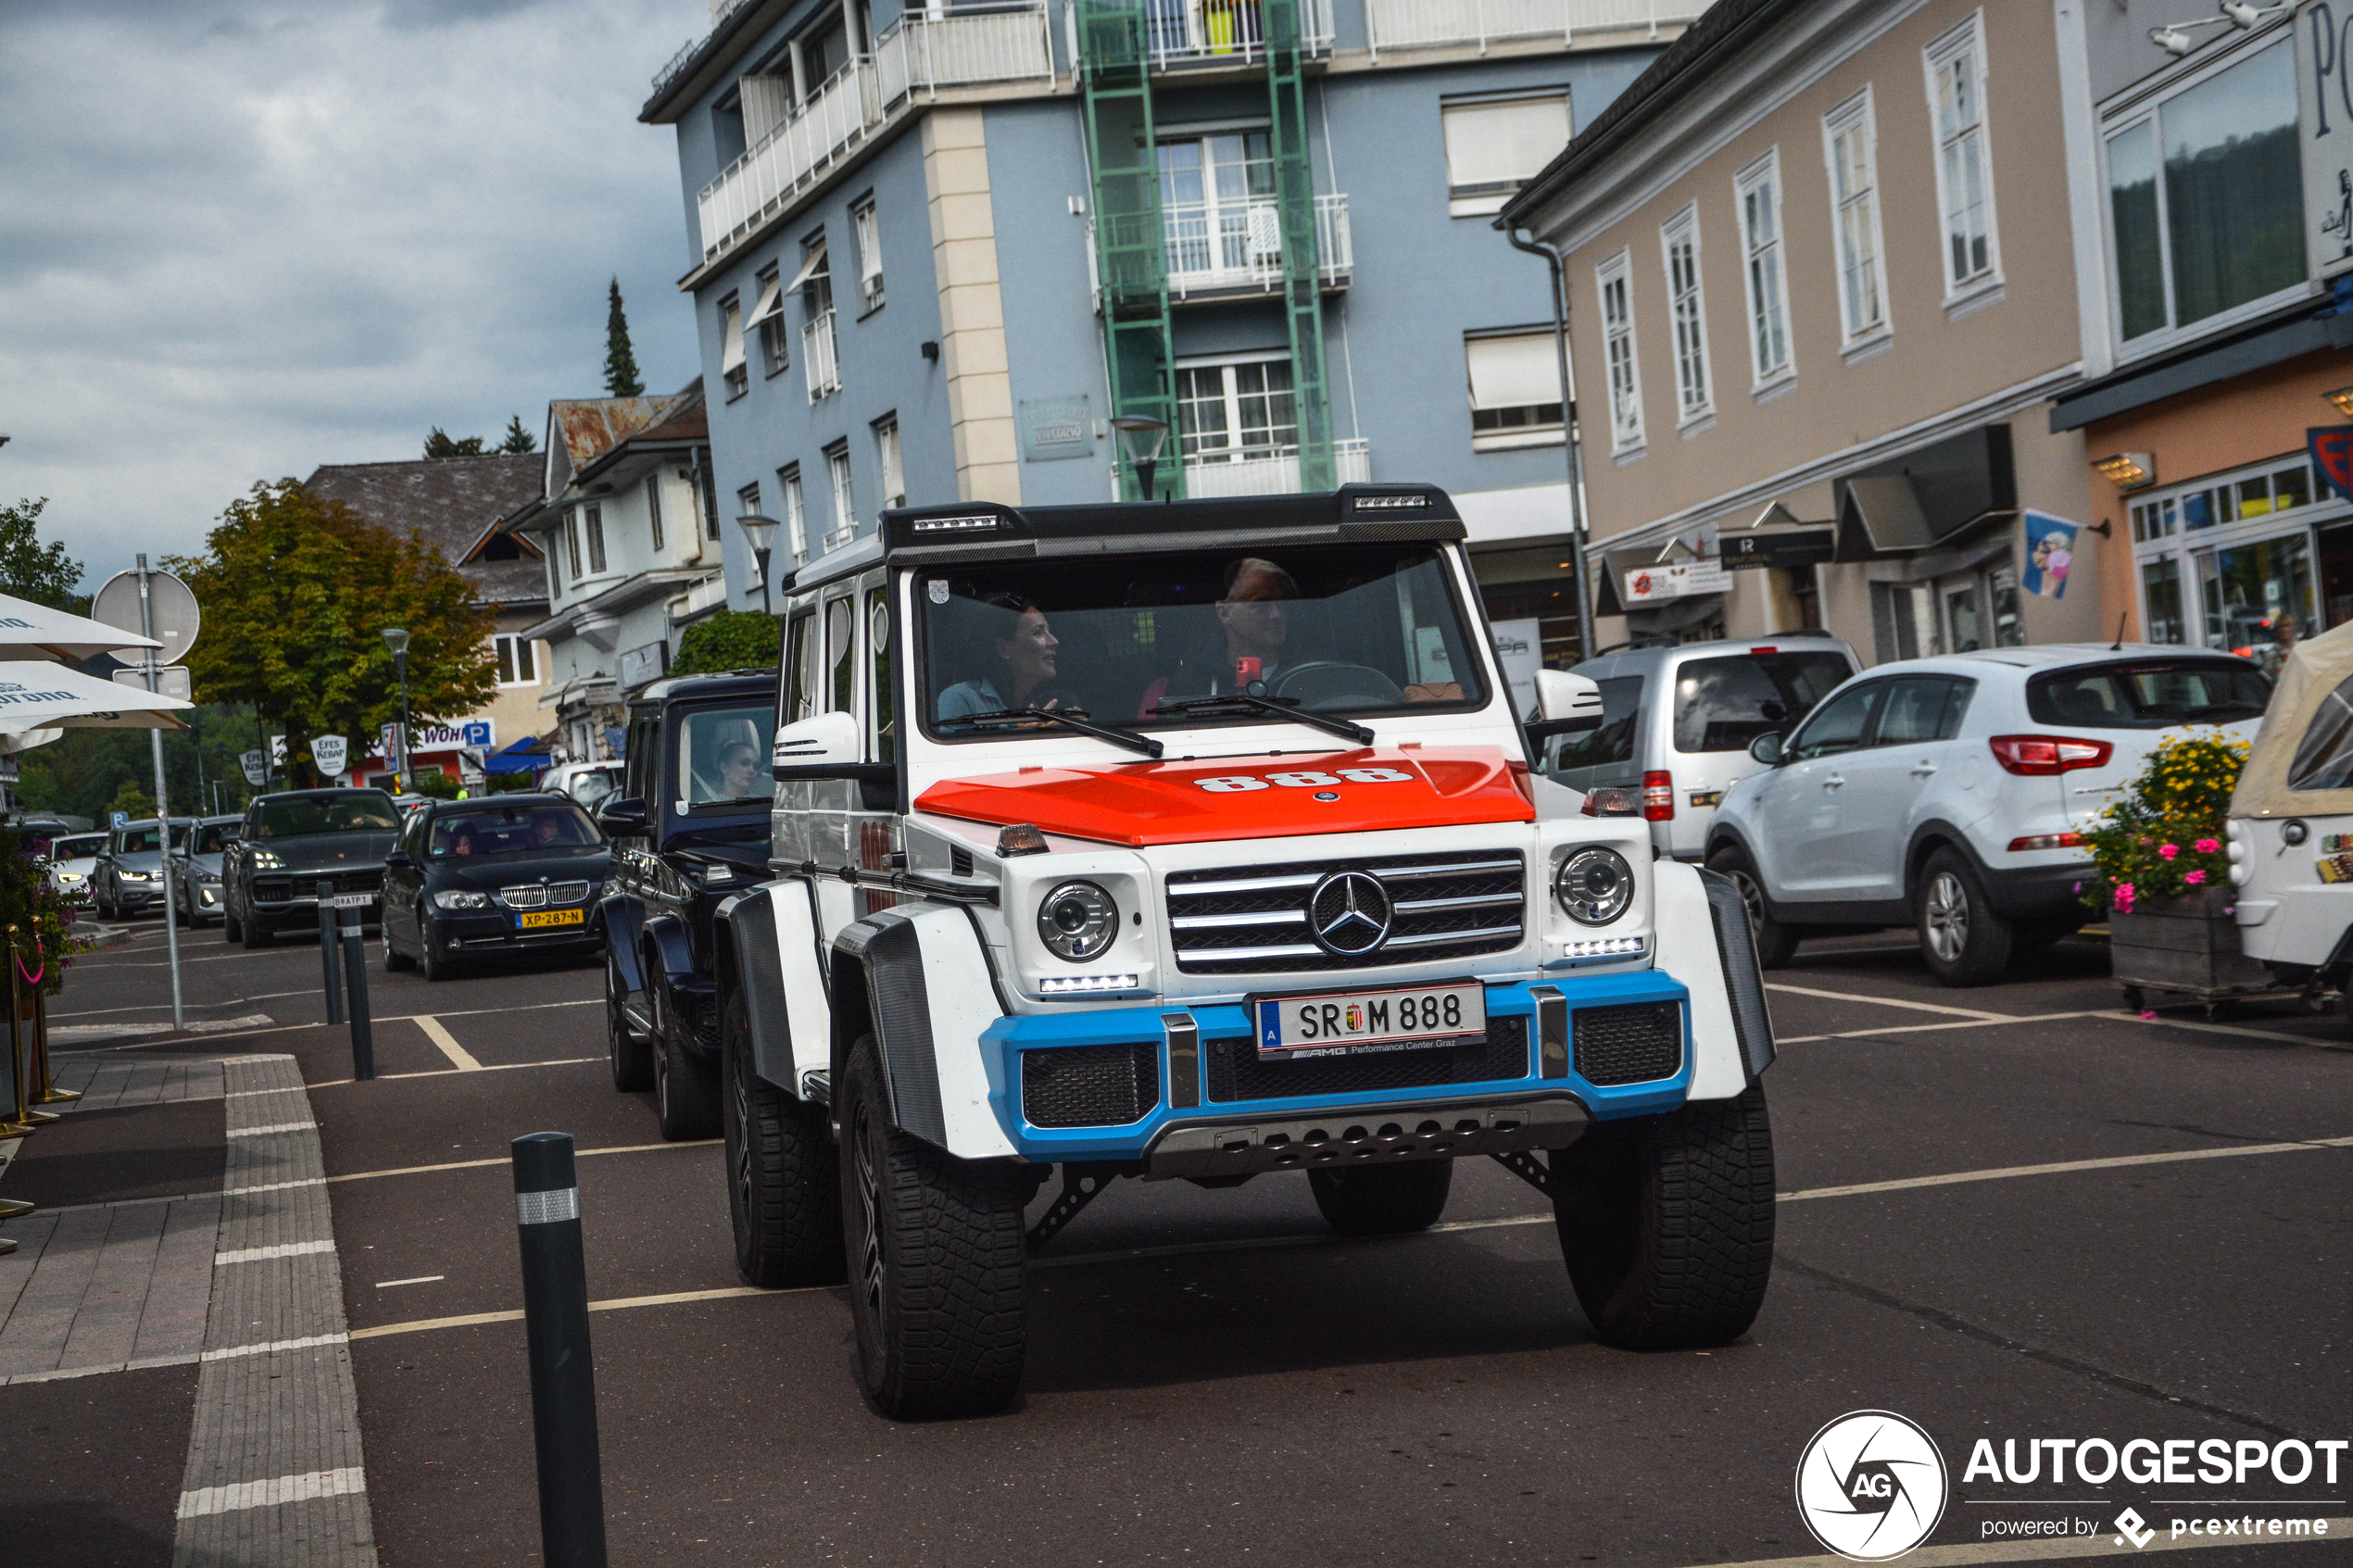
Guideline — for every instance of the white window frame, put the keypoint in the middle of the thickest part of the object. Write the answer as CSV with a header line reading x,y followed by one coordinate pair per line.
x,y
1229,384
653,511
733,372
775,335
2183,544
1687,320
1622,357
1510,437
844,486
1855,114
599,561
887,457
572,542
796,513
1768,304
865,229
1964,45
2149,109
518,655
1482,199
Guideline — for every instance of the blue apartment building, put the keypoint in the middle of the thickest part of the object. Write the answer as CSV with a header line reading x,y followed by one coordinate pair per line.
x,y
936,250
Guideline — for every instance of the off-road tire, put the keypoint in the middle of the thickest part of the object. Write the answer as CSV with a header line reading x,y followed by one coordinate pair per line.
x,y
685,1092
1667,1223
1776,943
395,959
937,1258
784,1177
1383,1199
1962,940
631,1058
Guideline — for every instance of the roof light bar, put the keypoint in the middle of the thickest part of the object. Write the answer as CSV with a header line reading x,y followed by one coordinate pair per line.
x,y
975,524
1391,503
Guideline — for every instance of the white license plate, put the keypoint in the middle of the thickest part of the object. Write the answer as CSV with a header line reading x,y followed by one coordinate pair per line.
x,y
354,900
1338,1024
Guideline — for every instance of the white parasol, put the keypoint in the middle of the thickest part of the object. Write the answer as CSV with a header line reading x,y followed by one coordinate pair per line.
x,y
31,631
53,696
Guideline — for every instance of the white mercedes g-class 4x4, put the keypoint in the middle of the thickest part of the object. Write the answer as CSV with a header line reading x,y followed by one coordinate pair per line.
x,y
1199,841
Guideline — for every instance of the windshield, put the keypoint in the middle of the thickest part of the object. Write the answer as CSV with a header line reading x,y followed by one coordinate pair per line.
x,y
1365,629
722,756
1723,704
590,788
78,848
2152,695
511,830
142,840
213,836
361,811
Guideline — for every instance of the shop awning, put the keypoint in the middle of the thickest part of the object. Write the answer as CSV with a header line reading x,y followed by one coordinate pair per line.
x,y
525,756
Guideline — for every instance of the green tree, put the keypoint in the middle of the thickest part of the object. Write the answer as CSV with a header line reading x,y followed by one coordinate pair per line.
x,y
621,362
441,444
730,640
297,592
133,801
520,442
31,570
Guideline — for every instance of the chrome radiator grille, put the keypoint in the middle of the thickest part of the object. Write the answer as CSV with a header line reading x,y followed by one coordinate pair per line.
x,y
1255,919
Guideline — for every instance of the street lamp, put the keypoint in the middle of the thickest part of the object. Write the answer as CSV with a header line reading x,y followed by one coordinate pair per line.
x,y
1141,439
760,533
397,639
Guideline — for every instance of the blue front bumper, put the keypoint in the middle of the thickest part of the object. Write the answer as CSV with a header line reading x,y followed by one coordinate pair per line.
x,y
1005,1039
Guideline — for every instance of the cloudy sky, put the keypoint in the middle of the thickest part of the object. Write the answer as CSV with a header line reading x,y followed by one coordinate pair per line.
x,y
238,240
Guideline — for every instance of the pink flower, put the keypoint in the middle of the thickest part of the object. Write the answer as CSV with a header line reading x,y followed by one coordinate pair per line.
x,y
2194,878
2125,896
2148,1017
2206,845
2166,851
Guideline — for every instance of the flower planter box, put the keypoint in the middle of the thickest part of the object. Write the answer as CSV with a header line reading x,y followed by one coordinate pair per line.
x,y
2189,944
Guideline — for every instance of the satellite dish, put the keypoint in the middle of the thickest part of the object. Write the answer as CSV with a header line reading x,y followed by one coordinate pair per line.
x,y
171,601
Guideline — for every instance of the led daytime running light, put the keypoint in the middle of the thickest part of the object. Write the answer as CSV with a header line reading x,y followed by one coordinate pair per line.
x,y
1068,984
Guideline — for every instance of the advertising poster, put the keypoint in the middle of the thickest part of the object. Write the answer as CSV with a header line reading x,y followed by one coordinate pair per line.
x,y
2050,554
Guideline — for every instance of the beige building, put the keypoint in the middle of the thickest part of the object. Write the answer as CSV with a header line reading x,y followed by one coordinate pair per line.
x,y
456,505
1822,281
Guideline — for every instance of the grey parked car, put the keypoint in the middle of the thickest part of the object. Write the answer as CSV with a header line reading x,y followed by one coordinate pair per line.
x,y
195,867
128,876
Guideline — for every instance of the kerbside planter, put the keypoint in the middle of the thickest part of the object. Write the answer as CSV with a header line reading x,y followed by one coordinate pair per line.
x,y
1198,841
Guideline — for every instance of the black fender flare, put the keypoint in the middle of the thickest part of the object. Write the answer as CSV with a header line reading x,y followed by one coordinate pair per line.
x,y
878,988
665,954
624,916
744,961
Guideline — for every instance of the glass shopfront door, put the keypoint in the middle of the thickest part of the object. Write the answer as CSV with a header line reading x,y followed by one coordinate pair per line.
x,y
2239,562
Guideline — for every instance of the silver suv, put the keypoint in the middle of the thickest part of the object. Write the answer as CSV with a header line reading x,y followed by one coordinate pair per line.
x,y
1677,722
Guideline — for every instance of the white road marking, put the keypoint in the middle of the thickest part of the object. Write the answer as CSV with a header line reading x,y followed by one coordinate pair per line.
x,y
613,1304
273,1127
1956,1023
231,1352
419,1279
2113,1162
1889,1002
263,1254
503,1160
458,1056
165,1006
272,1493
445,1072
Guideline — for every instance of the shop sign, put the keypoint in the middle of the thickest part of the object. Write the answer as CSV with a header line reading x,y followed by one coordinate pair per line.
x,y
1809,547
1676,580
2331,449
481,733
2324,104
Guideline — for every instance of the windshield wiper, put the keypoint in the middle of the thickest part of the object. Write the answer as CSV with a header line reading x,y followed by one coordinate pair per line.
x,y
1280,707
1074,719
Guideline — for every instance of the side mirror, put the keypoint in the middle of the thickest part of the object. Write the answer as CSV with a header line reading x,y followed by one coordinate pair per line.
x,y
821,747
396,858
1767,748
1564,705
622,817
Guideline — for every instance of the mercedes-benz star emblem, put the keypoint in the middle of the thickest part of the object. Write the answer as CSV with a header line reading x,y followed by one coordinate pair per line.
x,y
1349,913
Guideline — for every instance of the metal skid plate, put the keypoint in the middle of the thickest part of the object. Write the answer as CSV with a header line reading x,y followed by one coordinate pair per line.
x,y
1368,1135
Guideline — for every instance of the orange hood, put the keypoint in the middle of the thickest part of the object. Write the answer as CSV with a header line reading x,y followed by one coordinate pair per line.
x,y
1139,803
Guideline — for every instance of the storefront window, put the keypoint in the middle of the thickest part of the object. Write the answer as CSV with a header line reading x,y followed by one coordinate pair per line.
x,y
2257,598
2161,600
2001,585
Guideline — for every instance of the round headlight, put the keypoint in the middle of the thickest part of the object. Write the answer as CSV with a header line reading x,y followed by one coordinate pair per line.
x,y
2295,832
1594,885
1076,920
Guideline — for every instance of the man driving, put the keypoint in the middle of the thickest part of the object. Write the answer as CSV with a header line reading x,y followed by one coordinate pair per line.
x,y
1252,619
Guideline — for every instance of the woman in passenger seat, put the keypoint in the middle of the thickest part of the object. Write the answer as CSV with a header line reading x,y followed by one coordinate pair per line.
x,y
1023,656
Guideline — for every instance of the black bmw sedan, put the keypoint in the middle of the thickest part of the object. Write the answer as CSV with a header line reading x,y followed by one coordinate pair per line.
x,y
480,879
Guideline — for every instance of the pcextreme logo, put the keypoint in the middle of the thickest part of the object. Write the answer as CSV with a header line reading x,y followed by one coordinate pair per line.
x,y
1871,1486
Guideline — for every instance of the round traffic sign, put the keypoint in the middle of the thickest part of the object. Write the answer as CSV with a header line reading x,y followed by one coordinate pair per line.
x,y
172,603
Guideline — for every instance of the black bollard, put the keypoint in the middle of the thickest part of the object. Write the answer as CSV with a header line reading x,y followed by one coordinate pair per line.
x,y
563,1379
355,974
329,980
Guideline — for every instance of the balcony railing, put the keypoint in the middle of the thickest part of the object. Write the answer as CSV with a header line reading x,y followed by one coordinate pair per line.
x,y
1268,470
1223,250
920,53
1429,24
1182,32
819,357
